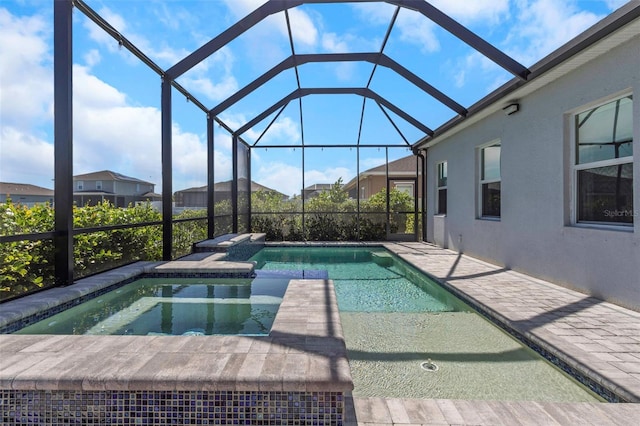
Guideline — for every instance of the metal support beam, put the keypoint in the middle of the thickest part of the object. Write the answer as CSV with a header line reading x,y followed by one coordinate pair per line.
x,y
167,166
234,182
374,58
63,140
210,178
361,91
248,153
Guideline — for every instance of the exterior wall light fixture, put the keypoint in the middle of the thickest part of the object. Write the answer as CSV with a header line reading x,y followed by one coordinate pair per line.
x,y
511,108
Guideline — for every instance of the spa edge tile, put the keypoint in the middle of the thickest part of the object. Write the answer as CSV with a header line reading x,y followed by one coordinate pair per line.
x,y
114,371
248,376
14,364
270,377
294,368
227,378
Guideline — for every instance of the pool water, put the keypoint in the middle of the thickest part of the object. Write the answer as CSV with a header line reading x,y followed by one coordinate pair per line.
x,y
395,319
362,281
174,306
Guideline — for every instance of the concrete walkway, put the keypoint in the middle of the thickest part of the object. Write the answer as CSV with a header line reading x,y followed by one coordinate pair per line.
x,y
598,339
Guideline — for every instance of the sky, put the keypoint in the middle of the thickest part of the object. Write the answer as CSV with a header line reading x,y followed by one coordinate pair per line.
x,y
116,98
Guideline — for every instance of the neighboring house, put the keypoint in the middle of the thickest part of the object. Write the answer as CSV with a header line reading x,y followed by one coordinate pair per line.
x,y
25,194
401,174
543,177
118,189
197,196
316,189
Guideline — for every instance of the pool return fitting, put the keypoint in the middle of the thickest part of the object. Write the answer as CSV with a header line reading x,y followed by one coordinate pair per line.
x,y
429,366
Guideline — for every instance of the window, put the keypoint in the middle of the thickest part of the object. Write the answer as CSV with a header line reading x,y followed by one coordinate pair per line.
x,y
407,188
603,167
490,180
441,206
79,185
98,184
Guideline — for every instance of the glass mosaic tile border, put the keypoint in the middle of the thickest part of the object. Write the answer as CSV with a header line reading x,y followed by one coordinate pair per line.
x,y
55,408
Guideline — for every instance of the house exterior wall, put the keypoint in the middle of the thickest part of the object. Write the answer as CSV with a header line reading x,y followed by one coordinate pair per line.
x,y
373,184
27,200
535,234
116,187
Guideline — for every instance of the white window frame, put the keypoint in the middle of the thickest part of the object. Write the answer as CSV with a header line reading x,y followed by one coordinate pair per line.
x,y
441,187
79,185
403,186
482,181
99,184
575,168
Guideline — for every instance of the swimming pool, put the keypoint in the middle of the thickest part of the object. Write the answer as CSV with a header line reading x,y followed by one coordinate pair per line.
x,y
408,337
174,306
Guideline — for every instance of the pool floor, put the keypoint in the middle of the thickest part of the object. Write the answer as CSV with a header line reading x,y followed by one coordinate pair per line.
x,y
394,319
472,360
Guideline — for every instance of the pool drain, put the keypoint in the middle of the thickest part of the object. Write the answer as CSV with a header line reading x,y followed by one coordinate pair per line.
x,y
429,366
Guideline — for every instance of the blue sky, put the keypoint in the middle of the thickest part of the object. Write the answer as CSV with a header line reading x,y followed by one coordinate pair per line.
x,y
117,98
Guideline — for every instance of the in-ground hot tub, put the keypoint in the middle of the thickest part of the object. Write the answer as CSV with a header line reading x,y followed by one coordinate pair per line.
x,y
173,306
298,372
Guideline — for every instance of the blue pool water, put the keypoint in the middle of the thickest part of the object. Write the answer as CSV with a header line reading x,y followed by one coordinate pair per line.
x,y
395,319
365,279
174,306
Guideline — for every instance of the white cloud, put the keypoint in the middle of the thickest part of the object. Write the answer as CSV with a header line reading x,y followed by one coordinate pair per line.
x,y
302,28
287,178
333,43
412,26
90,91
163,54
465,11
328,175
282,177
284,128
25,158
92,57
615,4
473,62
543,26
241,8
200,79
25,71
111,134
375,13
417,29
369,163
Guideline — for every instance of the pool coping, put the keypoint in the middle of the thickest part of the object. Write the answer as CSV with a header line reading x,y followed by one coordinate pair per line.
x,y
305,350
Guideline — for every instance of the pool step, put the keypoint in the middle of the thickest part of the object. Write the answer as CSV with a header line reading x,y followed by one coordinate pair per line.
x,y
222,243
382,259
205,263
